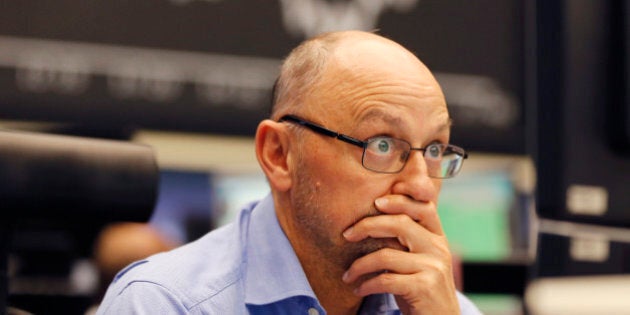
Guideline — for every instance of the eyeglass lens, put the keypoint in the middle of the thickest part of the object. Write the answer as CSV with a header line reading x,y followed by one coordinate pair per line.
x,y
389,155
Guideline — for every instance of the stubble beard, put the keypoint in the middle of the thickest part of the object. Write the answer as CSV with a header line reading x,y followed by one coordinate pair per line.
x,y
311,216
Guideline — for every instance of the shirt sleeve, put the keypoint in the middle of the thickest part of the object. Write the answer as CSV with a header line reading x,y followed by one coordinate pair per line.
x,y
466,306
142,298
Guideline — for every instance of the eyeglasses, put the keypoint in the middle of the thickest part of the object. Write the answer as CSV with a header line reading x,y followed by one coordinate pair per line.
x,y
389,155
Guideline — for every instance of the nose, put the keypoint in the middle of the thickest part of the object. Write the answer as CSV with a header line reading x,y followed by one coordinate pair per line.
x,y
414,181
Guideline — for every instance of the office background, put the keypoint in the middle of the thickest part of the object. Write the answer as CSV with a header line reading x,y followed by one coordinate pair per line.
x,y
538,91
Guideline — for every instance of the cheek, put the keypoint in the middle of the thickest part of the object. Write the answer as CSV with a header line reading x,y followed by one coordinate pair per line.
x,y
350,198
344,188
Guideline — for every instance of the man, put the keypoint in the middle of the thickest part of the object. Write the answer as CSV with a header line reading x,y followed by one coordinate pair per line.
x,y
354,152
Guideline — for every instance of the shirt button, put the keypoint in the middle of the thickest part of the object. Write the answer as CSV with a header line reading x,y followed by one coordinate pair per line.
x,y
313,311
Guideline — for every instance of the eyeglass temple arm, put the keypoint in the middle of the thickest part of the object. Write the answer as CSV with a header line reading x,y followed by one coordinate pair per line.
x,y
324,131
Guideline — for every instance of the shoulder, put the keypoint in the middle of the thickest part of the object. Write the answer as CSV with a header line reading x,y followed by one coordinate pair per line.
x,y
186,277
142,297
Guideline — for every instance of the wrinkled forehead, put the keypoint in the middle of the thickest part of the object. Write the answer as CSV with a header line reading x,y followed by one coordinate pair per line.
x,y
400,121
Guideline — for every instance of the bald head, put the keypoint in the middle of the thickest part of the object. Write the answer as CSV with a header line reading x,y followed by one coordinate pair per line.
x,y
335,60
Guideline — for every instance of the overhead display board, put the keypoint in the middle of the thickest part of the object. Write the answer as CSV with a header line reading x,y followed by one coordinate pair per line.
x,y
208,65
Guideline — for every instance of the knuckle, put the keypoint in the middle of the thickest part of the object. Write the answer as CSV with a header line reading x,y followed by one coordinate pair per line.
x,y
443,269
386,279
432,280
402,219
438,268
387,257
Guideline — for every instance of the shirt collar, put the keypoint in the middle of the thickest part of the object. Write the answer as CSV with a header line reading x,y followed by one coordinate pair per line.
x,y
273,271
379,304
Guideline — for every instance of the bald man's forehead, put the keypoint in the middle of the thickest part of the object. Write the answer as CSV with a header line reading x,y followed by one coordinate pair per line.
x,y
364,67
375,61
376,56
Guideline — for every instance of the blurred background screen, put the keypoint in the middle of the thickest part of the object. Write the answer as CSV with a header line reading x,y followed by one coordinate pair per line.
x,y
208,66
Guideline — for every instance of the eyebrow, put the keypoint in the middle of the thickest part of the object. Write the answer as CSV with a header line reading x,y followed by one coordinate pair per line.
x,y
377,113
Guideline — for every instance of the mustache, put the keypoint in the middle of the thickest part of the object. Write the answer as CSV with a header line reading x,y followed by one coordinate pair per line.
x,y
371,212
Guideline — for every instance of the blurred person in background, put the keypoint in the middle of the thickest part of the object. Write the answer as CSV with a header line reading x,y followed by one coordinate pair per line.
x,y
120,244
355,152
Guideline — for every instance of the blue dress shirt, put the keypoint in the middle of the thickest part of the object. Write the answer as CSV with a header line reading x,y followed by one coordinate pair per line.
x,y
247,267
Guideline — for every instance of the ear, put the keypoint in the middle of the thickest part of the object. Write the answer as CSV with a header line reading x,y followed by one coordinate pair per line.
x,y
272,152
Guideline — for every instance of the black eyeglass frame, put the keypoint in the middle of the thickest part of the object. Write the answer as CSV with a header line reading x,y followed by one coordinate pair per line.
x,y
362,144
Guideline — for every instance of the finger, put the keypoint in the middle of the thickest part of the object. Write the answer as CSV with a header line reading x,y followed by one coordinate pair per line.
x,y
401,227
392,260
386,282
423,212
379,226
433,274
430,292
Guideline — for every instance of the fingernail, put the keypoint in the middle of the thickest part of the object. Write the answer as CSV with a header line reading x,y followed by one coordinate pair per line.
x,y
348,232
380,202
345,277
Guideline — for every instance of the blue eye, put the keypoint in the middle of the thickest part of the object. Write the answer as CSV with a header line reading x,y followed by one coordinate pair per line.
x,y
433,151
383,146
